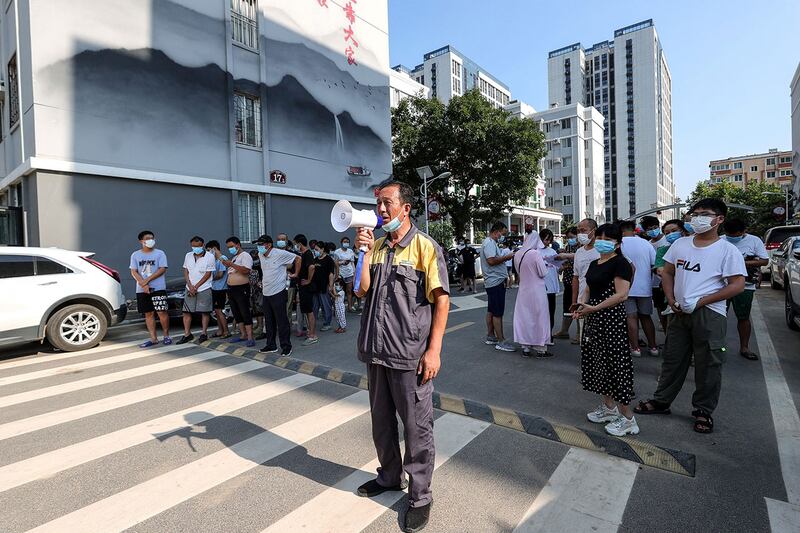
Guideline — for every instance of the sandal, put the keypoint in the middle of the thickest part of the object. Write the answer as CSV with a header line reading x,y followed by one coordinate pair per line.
x,y
750,355
652,407
703,423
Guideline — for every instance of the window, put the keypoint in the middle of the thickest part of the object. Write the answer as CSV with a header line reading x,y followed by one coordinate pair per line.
x,y
13,93
785,173
567,199
567,180
770,173
754,168
251,216
586,144
770,161
248,120
566,142
737,165
725,166
16,266
46,267
548,182
588,181
785,159
456,69
736,177
244,21
565,123
566,162
549,201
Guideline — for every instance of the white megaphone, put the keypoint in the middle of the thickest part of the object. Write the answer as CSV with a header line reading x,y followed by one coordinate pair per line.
x,y
344,217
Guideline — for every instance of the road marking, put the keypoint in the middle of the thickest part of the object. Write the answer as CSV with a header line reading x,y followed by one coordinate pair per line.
x,y
94,363
465,303
339,509
131,506
458,327
50,463
72,386
782,516
587,492
36,359
45,420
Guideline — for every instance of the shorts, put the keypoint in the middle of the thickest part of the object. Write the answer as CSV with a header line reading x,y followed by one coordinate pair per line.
x,y
152,301
566,301
742,303
497,299
306,300
349,279
659,299
639,305
219,298
199,303
239,298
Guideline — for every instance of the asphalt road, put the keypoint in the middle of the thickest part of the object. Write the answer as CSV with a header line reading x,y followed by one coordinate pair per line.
x,y
188,439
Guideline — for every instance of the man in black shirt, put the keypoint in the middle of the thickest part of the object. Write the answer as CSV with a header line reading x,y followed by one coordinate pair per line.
x,y
324,274
467,254
306,287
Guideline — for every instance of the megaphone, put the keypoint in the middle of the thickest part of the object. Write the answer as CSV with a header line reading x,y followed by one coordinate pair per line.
x,y
344,217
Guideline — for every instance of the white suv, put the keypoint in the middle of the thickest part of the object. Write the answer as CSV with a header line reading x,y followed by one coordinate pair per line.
x,y
66,297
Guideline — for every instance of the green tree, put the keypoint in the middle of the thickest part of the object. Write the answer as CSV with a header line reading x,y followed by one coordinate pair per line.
x,y
486,150
442,232
761,218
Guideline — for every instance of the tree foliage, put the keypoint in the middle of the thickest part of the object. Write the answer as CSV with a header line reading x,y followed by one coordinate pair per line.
x,y
479,144
761,218
442,232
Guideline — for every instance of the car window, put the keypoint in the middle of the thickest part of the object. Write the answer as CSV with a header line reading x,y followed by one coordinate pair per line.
x,y
16,266
45,266
796,245
781,234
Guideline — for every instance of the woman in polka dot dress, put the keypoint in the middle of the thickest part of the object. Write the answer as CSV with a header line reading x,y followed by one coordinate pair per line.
x,y
606,364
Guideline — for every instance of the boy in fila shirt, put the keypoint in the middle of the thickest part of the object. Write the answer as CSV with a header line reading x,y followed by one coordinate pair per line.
x,y
700,273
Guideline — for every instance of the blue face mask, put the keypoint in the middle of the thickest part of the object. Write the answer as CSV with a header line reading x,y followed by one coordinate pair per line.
x,y
232,250
653,233
674,236
688,227
198,250
280,244
734,240
392,225
502,238
605,247
345,245
316,253
262,249
572,242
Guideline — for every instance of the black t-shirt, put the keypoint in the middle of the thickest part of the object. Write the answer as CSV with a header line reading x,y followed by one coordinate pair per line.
x,y
306,260
324,268
468,255
600,277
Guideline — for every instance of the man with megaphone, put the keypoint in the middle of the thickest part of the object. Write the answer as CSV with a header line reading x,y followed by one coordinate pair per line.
x,y
405,288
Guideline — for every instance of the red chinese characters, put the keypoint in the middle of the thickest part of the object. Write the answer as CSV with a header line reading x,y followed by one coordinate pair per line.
x,y
351,44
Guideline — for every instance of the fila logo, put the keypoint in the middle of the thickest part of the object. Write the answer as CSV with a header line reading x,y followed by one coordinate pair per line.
x,y
688,266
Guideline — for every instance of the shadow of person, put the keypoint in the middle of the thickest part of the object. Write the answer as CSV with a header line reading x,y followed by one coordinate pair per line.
x,y
233,432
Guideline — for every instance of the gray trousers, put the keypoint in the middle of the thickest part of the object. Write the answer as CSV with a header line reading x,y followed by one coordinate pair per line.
x,y
703,334
393,392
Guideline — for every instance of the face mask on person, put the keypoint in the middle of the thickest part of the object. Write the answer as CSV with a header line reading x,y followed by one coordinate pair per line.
x,y
673,236
262,249
198,250
605,247
572,242
232,250
584,239
316,253
502,238
345,245
688,227
392,225
653,233
702,224
734,240
281,244
150,243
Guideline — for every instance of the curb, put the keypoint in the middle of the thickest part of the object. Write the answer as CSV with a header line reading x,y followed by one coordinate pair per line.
x,y
631,449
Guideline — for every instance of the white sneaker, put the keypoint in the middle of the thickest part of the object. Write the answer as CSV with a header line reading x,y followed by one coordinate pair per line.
x,y
653,352
622,426
603,414
636,353
505,346
490,340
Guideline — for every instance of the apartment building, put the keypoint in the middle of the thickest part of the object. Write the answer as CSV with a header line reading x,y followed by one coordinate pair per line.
x,y
795,117
628,81
774,167
215,118
448,73
402,85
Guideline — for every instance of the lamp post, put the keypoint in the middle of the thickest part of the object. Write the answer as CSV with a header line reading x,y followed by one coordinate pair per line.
x,y
425,173
787,194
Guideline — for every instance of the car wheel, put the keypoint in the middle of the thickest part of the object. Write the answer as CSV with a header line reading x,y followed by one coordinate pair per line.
x,y
76,327
791,316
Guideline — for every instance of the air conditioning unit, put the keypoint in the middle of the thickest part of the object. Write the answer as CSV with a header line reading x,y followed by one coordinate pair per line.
x,y
557,161
556,123
557,141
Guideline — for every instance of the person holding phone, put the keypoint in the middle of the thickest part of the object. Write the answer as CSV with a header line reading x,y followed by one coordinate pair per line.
x,y
606,362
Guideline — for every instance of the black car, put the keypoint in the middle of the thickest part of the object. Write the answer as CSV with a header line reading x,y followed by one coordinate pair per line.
x,y
176,290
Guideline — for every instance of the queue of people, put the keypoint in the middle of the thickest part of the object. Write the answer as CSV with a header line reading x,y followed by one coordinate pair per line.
x,y
614,276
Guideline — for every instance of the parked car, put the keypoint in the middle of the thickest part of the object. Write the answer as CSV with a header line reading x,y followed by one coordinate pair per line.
x,y
452,262
791,287
780,257
773,239
176,291
66,297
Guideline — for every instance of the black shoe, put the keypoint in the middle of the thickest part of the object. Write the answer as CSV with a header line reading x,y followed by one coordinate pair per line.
x,y
287,352
542,355
185,339
202,338
267,349
417,518
372,488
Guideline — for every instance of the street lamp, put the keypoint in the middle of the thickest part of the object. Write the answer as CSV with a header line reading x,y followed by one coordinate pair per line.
x,y
786,204
425,173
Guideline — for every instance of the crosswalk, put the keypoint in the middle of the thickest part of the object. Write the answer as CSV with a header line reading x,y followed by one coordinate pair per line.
x,y
196,440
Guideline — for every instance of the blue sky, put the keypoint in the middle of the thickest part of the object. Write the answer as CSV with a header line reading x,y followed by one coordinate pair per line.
x,y
731,61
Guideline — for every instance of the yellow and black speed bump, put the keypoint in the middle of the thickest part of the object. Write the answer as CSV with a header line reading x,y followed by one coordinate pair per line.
x,y
631,449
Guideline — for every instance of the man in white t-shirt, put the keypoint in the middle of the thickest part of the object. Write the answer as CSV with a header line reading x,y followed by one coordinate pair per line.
x,y
700,274
639,305
583,258
755,256
345,257
274,263
198,267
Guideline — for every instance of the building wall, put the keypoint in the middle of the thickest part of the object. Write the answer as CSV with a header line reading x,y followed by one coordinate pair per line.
x,y
773,167
401,86
795,117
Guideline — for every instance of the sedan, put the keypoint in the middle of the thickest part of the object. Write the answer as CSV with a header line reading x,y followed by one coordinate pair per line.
x,y
780,257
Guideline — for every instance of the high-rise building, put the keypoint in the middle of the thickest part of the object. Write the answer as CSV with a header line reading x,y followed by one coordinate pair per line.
x,y
629,82
448,72
795,105
772,167
401,86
